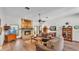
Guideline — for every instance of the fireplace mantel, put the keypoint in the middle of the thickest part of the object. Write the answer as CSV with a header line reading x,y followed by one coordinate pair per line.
x,y
27,29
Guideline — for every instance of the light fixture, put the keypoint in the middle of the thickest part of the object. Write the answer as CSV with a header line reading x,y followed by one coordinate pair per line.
x,y
40,23
67,23
40,19
27,8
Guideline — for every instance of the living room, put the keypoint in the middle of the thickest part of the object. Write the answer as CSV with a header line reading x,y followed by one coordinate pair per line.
x,y
39,28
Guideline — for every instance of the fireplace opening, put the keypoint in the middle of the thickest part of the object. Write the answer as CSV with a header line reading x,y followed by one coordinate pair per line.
x,y
27,32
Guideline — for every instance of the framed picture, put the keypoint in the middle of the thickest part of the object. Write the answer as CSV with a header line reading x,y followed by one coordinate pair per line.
x,y
76,27
52,28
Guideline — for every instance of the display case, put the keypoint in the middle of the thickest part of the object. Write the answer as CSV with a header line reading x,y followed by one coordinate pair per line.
x,y
67,33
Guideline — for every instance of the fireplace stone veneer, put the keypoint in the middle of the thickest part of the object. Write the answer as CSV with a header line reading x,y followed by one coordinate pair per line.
x,y
26,33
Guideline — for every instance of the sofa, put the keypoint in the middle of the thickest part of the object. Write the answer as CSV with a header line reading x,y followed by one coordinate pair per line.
x,y
58,45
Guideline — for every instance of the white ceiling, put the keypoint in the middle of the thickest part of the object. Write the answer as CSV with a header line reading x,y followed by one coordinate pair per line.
x,y
21,11
50,12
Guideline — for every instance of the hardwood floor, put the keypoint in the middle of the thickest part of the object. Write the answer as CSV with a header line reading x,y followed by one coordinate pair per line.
x,y
23,45
19,45
71,46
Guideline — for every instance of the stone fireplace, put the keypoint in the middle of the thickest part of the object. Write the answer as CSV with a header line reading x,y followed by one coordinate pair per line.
x,y
26,33
26,28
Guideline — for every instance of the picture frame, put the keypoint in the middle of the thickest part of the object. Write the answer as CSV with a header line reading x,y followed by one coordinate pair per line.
x,y
76,27
52,28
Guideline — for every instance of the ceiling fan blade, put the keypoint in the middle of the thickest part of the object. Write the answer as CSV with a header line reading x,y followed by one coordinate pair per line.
x,y
27,8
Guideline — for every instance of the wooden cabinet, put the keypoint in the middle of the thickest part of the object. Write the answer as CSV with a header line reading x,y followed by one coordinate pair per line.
x,y
67,33
10,37
6,27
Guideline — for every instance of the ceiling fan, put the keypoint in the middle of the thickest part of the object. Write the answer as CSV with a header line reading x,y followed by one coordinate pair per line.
x,y
40,19
28,8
